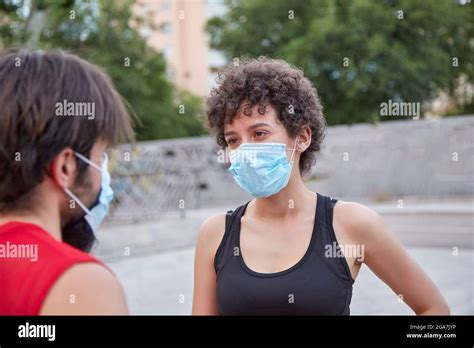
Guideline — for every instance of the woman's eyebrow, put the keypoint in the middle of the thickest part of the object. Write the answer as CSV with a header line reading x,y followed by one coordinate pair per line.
x,y
257,125
230,133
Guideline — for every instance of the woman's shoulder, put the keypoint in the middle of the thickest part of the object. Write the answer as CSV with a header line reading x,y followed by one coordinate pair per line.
x,y
213,226
211,233
213,229
356,219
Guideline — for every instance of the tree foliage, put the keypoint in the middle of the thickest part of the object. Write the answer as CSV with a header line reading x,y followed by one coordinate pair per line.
x,y
357,53
107,34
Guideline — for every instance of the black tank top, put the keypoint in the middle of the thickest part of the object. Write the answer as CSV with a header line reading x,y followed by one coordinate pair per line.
x,y
315,285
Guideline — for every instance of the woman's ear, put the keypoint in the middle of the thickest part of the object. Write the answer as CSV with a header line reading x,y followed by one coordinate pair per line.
x,y
304,139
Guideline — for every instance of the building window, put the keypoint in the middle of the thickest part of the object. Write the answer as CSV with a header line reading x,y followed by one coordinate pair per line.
x,y
145,32
170,74
167,52
166,27
164,6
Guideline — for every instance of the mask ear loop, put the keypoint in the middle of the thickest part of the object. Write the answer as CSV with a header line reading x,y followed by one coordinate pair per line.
x,y
294,150
88,161
77,200
72,195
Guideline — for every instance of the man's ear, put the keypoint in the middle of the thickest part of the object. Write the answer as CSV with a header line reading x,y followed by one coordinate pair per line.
x,y
304,139
63,168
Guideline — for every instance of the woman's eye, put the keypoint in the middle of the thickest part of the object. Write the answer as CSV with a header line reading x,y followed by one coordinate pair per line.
x,y
260,134
231,141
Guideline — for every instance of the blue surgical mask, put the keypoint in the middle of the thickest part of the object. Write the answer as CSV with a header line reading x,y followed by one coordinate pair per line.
x,y
98,212
261,169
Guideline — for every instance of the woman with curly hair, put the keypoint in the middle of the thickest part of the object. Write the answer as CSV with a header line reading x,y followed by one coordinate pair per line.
x,y
289,250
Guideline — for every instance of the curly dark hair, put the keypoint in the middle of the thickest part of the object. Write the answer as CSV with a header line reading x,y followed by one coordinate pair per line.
x,y
264,80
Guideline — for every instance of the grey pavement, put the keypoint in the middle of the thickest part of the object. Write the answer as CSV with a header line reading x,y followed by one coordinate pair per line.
x,y
444,222
162,283
154,259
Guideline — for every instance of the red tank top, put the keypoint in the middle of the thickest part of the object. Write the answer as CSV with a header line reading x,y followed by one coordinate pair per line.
x,y
31,261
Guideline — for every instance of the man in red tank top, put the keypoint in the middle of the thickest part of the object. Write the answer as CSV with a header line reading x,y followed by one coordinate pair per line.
x,y
59,114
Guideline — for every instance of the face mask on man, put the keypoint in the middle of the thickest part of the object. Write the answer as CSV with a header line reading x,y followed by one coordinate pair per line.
x,y
261,169
81,234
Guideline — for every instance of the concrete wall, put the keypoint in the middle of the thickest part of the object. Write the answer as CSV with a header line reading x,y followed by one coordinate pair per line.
x,y
423,158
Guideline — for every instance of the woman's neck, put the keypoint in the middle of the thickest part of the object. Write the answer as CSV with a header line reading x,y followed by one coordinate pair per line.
x,y
292,200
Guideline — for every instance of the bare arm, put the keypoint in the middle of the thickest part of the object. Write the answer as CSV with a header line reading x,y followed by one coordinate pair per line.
x,y
388,259
205,292
86,289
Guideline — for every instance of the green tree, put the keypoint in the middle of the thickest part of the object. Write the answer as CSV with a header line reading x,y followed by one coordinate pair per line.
x,y
106,33
357,53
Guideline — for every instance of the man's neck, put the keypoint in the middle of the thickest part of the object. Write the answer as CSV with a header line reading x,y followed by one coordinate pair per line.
x,y
49,223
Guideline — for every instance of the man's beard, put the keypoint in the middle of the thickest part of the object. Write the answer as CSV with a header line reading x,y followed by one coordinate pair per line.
x,y
75,230
79,235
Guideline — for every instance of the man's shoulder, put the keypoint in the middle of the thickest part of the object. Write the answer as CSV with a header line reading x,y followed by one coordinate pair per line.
x,y
86,288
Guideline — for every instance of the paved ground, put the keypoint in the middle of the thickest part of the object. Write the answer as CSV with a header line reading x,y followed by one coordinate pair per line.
x,y
162,283
154,259
443,223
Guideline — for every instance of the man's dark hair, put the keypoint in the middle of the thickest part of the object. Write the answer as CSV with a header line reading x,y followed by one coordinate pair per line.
x,y
31,132
274,81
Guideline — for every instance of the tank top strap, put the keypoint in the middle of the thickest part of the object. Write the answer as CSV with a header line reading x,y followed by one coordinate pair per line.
x,y
330,203
229,217
233,218
229,241
328,244
321,216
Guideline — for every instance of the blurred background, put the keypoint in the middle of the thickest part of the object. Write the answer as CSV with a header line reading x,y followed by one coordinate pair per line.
x,y
164,57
